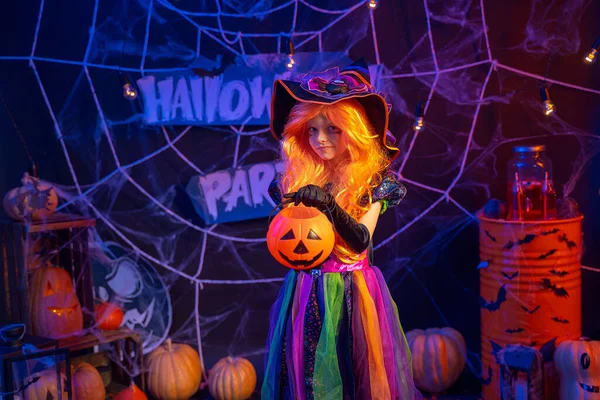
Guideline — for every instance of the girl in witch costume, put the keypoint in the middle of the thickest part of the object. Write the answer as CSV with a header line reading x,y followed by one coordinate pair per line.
x,y
334,331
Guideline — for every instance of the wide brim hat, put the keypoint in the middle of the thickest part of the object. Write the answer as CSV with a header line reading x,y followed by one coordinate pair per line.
x,y
328,87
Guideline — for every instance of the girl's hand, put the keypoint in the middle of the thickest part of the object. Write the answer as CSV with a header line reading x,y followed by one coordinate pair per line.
x,y
311,196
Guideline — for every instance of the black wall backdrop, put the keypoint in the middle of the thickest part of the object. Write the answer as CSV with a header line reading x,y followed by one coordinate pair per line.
x,y
427,247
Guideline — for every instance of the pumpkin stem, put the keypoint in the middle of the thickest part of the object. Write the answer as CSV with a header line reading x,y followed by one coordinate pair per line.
x,y
169,346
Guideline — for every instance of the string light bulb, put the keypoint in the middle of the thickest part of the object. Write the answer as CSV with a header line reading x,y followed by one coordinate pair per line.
x,y
590,57
290,58
549,106
419,122
373,4
129,91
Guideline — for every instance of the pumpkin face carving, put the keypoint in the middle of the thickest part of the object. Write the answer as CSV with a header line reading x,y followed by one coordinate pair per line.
x,y
300,237
44,386
578,366
54,306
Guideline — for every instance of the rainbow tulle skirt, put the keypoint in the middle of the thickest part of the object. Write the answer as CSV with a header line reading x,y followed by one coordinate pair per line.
x,y
335,333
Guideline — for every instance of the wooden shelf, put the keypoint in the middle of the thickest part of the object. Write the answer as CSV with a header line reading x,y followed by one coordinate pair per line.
x,y
53,222
99,337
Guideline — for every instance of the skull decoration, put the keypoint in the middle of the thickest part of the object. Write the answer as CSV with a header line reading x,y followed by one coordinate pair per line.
x,y
53,304
122,278
578,366
33,200
300,237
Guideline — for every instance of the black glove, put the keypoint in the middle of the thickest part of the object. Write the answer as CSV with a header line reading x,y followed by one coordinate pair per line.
x,y
356,235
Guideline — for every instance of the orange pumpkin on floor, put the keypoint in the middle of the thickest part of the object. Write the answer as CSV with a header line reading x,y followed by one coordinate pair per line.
x,y
438,357
109,316
133,392
174,371
53,304
300,237
232,379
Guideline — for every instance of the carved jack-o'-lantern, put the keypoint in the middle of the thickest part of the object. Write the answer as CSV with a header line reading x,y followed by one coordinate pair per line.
x,y
53,304
300,237
34,200
44,385
578,366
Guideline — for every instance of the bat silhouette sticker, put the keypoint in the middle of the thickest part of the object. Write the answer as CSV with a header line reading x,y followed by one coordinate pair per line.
x,y
546,255
558,273
564,239
494,305
547,349
558,291
533,310
511,276
495,350
551,232
492,238
518,330
527,239
560,320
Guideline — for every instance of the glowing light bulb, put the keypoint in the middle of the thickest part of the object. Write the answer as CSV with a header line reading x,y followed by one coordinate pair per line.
x,y
549,106
373,4
129,91
290,61
419,121
590,57
290,58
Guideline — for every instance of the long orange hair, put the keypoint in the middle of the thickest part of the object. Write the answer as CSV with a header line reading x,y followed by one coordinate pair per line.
x,y
354,176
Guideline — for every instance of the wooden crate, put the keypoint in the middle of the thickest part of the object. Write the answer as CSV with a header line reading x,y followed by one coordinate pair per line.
x,y
64,232
122,343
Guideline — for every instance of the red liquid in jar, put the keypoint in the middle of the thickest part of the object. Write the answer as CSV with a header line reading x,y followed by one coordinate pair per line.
x,y
534,201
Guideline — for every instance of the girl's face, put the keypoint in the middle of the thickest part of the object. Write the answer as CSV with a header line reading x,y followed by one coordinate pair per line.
x,y
326,139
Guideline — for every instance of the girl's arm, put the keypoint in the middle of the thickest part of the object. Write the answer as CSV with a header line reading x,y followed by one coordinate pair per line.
x,y
370,218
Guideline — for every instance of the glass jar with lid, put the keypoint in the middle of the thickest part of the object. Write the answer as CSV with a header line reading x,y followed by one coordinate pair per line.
x,y
531,192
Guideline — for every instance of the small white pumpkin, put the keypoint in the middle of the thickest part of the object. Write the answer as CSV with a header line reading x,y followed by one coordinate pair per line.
x,y
578,366
438,357
34,199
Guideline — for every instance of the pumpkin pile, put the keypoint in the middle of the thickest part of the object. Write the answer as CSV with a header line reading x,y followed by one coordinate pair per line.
x,y
300,237
174,371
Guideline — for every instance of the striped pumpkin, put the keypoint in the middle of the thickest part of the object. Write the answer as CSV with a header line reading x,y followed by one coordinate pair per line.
x,y
174,371
438,357
232,379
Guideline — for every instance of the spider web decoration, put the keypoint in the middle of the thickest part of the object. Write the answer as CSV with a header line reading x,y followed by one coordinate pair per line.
x,y
130,176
